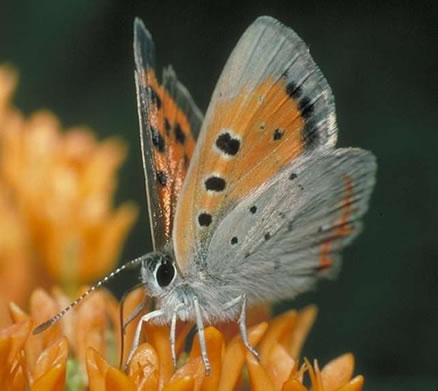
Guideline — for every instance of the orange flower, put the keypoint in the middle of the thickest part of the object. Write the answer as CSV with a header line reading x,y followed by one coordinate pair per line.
x,y
35,360
57,222
47,372
90,325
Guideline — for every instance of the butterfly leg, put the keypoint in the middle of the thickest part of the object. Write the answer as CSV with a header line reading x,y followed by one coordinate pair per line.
x,y
172,336
145,318
242,300
201,336
244,329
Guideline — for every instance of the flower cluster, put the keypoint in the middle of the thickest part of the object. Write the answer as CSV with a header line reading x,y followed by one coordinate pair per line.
x,y
57,221
83,345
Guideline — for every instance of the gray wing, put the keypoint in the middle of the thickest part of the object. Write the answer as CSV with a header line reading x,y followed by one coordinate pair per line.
x,y
276,243
269,50
271,105
169,122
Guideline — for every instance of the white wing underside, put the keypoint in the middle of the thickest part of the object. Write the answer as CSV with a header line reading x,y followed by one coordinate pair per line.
x,y
278,249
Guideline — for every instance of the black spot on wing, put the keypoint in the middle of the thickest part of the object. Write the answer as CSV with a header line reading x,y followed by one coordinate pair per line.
x,y
157,140
215,183
309,133
227,144
234,240
166,125
278,134
306,107
267,236
162,178
154,97
293,90
293,176
253,209
204,219
179,134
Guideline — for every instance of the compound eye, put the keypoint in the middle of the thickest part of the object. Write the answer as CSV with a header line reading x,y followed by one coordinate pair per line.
x,y
165,273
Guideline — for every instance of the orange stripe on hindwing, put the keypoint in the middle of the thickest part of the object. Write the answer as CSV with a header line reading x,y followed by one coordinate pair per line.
x,y
341,224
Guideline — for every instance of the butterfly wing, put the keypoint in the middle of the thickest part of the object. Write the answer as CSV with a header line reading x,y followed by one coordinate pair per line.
x,y
270,106
291,229
169,119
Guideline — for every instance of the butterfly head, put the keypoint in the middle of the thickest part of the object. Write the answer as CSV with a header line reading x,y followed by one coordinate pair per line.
x,y
158,274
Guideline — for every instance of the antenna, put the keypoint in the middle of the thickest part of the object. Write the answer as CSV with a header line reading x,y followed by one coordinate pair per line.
x,y
44,326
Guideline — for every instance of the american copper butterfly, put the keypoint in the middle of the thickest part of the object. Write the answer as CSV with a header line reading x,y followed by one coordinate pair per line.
x,y
252,203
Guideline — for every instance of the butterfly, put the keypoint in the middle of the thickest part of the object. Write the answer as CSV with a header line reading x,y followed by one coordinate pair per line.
x,y
253,203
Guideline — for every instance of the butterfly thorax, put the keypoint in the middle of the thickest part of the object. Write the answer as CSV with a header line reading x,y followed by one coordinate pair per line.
x,y
175,292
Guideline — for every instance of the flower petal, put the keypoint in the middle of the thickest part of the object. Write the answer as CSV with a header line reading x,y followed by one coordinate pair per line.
x,y
17,335
17,314
90,325
280,366
12,340
97,368
130,303
215,346
52,380
337,372
304,322
354,384
234,357
11,375
5,348
158,337
293,385
116,380
278,328
150,383
193,368
42,307
144,368
186,383
110,241
258,376
55,354
8,82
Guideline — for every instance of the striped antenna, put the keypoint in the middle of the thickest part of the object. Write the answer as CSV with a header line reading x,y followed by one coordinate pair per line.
x,y
44,326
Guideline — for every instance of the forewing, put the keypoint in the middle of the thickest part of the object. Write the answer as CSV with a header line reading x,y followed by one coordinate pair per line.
x,y
168,120
270,106
290,231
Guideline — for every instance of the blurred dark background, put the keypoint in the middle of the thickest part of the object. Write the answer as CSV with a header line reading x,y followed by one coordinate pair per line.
x,y
381,59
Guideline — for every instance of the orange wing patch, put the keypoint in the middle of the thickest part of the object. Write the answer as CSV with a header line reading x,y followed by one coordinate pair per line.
x,y
248,140
266,126
173,145
343,228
